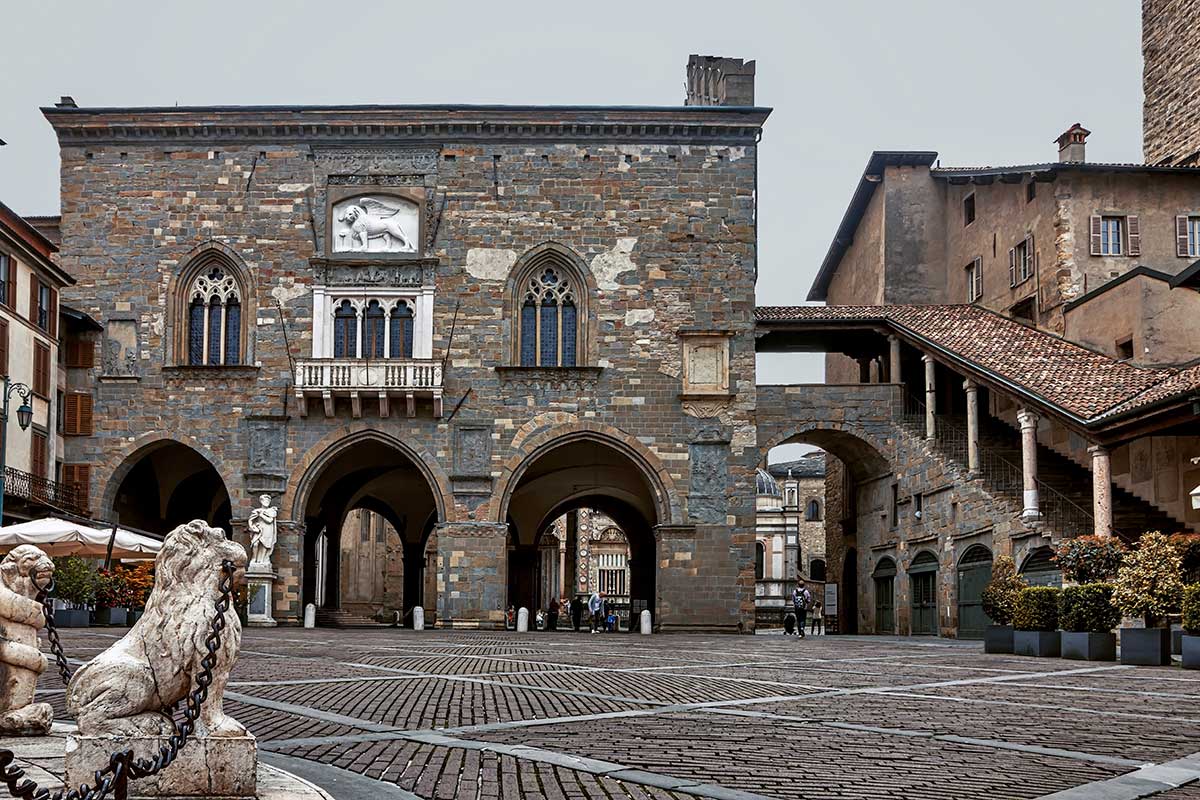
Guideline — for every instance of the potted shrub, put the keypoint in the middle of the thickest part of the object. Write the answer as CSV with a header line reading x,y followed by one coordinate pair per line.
x,y
1089,559
112,598
140,580
1148,586
1035,618
999,599
1087,618
1188,547
1191,627
75,586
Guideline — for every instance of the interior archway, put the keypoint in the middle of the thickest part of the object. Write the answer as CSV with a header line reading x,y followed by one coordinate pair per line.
x,y
167,484
374,487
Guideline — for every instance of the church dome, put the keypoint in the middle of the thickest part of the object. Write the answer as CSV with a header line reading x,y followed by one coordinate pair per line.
x,y
766,485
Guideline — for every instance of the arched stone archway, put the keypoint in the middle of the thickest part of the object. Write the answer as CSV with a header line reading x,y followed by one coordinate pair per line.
x,y
164,483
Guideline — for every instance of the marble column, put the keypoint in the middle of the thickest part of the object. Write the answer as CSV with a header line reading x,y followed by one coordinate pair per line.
x,y
930,397
972,390
1029,423
1101,490
893,360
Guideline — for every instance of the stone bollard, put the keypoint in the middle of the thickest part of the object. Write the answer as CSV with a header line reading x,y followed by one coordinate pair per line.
x,y
647,624
21,661
418,619
523,621
310,616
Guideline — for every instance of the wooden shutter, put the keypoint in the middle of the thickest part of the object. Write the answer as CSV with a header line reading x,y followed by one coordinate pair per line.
x,y
38,455
41,369
80,477
52,322
33,293
1096,223
1181,237
11,299
1135,235
77,417
3,346
1028,268
978,277
80,352
1012,266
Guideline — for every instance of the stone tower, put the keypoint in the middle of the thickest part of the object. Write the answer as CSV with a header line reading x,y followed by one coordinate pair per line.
x,y
1171,82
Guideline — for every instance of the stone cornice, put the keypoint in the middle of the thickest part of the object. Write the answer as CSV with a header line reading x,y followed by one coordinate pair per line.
x,y
542,378
406,125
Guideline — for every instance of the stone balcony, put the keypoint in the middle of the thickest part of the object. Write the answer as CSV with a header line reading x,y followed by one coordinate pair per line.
x,y
355,378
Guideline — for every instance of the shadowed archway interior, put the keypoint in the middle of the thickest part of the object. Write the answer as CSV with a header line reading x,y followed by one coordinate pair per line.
x,y
168,484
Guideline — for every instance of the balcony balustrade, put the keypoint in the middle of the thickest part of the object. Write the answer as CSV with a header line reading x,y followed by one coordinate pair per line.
x,y
387,379
42,491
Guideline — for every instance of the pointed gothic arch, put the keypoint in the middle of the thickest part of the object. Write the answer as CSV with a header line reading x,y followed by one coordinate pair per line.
x,y
549,309
212,308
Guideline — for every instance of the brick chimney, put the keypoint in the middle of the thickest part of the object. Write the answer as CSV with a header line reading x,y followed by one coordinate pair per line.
x,y
717,81
1071,145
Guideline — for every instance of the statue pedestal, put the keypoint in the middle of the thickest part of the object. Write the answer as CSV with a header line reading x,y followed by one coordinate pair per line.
x,y
260,581
221,768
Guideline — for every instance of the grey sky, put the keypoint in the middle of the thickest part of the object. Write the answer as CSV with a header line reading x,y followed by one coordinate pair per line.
x,y
982,83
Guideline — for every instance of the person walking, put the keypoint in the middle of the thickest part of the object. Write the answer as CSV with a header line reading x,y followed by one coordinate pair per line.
x,y
552,615
596,608
801,600
576,613
818,617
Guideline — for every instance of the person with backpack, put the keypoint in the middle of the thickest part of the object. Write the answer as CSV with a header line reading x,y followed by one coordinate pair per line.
x,y
801,600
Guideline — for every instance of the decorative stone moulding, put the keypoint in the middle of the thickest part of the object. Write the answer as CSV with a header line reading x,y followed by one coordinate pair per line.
x,y
575,379
375,223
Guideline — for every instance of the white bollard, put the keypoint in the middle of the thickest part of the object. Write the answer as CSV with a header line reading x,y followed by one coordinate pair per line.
x,y
310,616
523,620
418,618
647,625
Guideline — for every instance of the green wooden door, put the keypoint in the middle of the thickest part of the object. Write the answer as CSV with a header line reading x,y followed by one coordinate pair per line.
x,y
922,579
885,612
974,572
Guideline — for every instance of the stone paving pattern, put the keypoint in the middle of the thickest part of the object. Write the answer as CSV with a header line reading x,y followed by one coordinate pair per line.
x,y
460,714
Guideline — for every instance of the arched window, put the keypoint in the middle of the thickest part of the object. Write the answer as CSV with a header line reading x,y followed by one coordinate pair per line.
x,y
214,318
345,331
401,331
549,310
816,570
760,558
374,320
813,512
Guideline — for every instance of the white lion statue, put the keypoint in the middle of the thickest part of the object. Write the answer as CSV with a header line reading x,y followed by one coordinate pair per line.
x,y
370,219
21,660
123,691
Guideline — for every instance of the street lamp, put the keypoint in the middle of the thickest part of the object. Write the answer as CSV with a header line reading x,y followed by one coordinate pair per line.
x,y
24,418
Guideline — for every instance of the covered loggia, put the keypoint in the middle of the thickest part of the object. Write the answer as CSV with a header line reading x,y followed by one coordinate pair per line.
x,y
166,484
582,473
367,499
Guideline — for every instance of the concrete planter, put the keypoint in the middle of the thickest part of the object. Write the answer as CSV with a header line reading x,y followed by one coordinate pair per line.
x,y
1044,644
1087,646
133,616
998,639
111,616
72,618
1191,651
1146,647
1176,641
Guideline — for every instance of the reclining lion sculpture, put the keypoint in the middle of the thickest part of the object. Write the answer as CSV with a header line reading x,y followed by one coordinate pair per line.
x,y
125,689
21,661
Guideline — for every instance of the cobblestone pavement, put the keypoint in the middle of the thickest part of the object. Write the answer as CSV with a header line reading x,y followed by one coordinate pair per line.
x,y
386,713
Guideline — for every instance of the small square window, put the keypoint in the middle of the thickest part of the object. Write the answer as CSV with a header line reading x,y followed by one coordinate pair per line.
x,y
1125,349
968,209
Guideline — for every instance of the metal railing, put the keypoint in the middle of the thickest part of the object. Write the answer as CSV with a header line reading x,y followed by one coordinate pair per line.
x,y
368,374
65,496
1058,512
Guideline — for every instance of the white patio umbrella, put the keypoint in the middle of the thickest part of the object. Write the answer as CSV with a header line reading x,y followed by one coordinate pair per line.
x,y
60,537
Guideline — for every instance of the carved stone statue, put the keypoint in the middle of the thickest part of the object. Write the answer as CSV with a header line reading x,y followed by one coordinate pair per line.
x,y
368,218
123,691
263,534
21,661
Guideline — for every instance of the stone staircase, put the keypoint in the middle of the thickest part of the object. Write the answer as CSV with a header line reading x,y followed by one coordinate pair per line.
x,y
347,618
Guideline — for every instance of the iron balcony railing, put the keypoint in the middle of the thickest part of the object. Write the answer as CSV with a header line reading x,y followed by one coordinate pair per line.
x,y
64,496
1058,512
353,374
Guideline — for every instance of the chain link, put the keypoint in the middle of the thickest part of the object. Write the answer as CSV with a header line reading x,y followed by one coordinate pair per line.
x,y
44,597
122,765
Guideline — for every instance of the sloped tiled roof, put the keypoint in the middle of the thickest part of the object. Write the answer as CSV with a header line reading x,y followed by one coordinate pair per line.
x,y
811,465
1085,384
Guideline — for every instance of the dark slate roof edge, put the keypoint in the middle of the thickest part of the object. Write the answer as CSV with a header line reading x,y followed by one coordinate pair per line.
x,y
1061,166
1137,272
1186,274
863,192
452,107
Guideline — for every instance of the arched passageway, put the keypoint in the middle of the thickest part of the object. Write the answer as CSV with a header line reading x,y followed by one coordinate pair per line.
x,y
560,481
369,510
167,484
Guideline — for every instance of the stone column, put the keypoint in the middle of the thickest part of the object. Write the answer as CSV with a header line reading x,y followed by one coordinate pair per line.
x,y
472,574
1029,423
930,397
571,555
972,390
1101,490
864,369
893,360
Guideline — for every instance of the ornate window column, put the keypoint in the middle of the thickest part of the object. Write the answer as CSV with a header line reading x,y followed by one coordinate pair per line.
x,y
1101,490
1029,423
214,319
893,359
972,390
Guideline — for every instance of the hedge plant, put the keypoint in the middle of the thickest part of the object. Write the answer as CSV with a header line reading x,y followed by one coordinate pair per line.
x,y
1000,595
1191,610
1188,547
1088,608
1089,559
1036,609
74,581
1148,584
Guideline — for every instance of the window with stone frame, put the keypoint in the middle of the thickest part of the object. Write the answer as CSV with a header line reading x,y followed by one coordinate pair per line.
x,y
813,512
974,272
550,313
1187,236
345,330
372,327
1021,261
214,318
1115,235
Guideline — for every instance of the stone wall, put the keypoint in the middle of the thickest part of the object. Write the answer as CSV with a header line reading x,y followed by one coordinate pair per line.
x,y
1170,81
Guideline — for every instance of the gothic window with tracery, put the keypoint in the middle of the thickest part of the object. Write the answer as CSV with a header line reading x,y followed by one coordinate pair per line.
x,y
549,320
214,319
345,331
401,332
374,322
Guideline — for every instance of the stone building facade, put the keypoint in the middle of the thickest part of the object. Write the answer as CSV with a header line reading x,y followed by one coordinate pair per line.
x,y
791,533
1171,81
469,320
